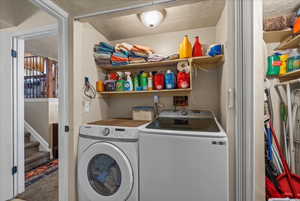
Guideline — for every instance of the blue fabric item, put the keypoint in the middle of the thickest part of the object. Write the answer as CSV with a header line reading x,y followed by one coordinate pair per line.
x,y
102,177
119,54
114,63
106,45
102,49
215,50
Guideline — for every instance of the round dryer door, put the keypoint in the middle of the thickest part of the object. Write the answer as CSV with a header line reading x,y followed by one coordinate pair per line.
x,y
105,173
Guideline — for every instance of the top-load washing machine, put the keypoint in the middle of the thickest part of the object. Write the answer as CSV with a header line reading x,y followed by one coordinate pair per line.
x,y
183,156
108,161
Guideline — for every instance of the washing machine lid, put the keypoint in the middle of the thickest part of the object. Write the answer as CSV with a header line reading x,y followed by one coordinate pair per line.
x,y
105,173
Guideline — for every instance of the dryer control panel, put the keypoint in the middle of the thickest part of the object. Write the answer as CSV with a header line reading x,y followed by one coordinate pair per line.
x,y
109,132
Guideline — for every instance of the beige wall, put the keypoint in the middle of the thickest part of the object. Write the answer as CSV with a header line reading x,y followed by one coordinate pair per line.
x,y
225,35
205,92
40,114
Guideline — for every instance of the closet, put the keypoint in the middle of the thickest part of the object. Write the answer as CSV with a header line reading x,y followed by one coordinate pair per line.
x,y
282,98
211,77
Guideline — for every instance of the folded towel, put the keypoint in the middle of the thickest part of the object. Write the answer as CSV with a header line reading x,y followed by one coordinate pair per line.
x,y
120,54
102,56
139,54
137,59
98,48
156,58
124,46
121,59
107,45
119,63
144,49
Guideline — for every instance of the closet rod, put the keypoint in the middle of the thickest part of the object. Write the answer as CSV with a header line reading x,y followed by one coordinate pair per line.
x,y
154,3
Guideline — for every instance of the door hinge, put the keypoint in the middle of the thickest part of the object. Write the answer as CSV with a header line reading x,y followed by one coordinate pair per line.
x,y
67,129
14,170
14,53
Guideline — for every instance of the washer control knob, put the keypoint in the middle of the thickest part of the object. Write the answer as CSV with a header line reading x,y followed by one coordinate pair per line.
x,y
106,132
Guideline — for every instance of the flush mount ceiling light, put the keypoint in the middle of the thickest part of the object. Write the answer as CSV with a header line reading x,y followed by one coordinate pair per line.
x,y
152,18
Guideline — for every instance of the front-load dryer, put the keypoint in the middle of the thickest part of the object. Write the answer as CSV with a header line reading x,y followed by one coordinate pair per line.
x,y
108,161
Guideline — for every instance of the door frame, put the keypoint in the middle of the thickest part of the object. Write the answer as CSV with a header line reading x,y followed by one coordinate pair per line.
x,y
62,30
18,39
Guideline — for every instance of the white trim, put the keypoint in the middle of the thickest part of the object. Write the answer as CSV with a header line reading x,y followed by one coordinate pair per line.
x,y
40,100
63,60
43,31
37,137
245,124
18,115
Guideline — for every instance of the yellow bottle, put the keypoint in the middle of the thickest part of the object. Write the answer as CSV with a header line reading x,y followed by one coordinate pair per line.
x,y
180,51
283,66
186,48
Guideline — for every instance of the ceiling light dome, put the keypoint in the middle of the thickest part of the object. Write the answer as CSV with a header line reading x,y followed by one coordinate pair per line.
x,y
152,18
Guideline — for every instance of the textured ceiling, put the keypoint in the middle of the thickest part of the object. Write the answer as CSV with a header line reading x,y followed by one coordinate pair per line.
x,y
45,46
280,7
14,12
190,16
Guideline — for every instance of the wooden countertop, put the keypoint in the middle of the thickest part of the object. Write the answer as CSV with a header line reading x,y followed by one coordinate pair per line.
x,y
119,122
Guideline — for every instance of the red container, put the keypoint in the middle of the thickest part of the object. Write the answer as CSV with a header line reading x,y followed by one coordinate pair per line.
x,y
197,49
159,81
183,80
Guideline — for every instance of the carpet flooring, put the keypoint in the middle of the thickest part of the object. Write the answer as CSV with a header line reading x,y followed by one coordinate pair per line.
x,y
45,189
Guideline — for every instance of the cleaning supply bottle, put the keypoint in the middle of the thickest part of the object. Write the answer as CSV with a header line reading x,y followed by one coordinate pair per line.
x,y
197,49
170,80
120,85
186,47
144,81
183,80
128,86
180,51
136,82
150,82
159,81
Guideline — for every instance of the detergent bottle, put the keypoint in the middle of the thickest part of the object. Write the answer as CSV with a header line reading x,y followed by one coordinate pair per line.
x,y
170,80
197,49
144,81
183,80
186,48
128,86
136,82
150,81
159,81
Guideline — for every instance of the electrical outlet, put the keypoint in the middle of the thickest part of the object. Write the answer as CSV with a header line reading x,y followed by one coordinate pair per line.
x,y
87,106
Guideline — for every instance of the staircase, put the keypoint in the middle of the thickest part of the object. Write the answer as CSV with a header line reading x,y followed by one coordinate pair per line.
x,y
33,157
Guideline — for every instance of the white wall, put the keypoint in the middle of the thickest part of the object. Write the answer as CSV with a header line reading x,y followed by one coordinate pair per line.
x,y
206,89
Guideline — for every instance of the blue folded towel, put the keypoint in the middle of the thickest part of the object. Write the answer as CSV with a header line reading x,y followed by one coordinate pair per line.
x,y
102,49
115,63
107,45
120,54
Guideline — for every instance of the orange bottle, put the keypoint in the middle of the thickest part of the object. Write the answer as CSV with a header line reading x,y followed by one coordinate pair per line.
x,y
197,49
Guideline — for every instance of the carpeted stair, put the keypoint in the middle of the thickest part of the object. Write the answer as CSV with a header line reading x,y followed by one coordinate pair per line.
x,y
33,157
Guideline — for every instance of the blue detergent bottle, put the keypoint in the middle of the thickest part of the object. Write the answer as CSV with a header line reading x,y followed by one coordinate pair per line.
x,y
170,79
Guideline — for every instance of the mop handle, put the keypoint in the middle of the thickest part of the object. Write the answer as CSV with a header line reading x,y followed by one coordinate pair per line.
x,y
285,165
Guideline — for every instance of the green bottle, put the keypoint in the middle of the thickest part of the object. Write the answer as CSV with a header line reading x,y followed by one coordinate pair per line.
x,y
136,82
144,81
120,85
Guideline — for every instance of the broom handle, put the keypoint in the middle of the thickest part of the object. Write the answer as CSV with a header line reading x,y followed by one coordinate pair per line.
x,y
285,165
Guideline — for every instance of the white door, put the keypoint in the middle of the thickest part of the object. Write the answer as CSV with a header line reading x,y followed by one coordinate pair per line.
x,y
104,173
6,116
